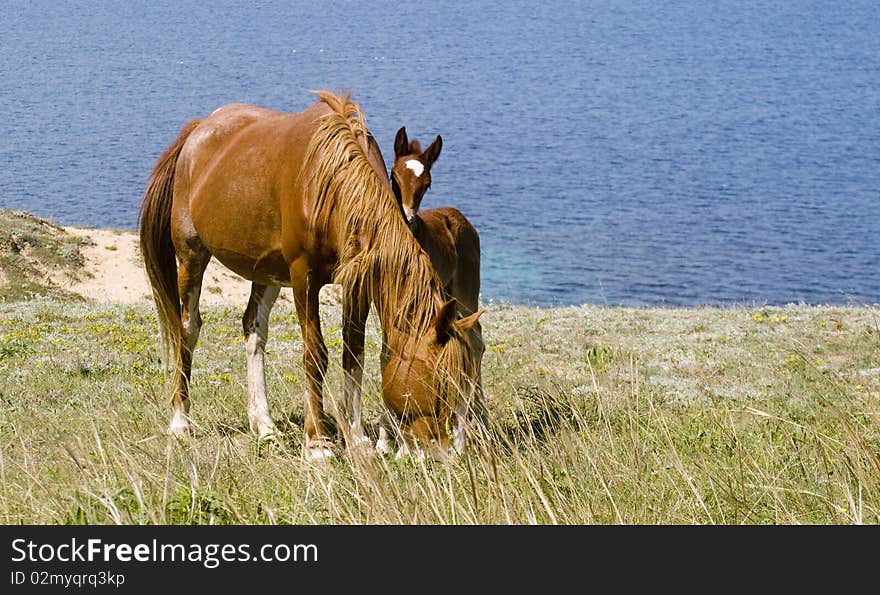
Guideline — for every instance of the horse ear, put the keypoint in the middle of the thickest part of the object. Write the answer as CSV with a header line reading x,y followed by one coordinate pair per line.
x,y
468,322
444,322
401,143
431,153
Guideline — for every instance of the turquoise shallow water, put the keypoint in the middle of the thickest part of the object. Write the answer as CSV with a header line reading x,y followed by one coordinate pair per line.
x,y
643,154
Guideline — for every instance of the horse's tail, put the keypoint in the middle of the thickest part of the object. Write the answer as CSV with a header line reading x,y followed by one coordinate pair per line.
x,y
157,248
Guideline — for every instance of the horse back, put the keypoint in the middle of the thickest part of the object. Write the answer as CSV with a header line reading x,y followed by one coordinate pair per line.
x,y
453,245
235,189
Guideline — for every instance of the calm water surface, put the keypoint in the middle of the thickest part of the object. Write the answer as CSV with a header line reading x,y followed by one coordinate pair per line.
x,y
639,153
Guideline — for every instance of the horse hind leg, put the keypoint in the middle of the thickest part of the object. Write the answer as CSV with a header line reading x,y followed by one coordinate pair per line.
x,y
191,269
256,331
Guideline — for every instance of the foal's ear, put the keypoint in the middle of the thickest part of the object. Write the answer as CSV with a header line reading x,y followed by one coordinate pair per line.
x,y
468,322
444,322
431,153
401,143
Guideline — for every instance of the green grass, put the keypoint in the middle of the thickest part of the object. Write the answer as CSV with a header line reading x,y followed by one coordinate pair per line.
x,y
598,415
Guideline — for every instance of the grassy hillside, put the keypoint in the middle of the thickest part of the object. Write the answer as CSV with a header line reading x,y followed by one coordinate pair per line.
x,y
36,256
598,415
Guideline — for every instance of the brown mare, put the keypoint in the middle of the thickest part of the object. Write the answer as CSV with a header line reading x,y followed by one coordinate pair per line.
x,y
447,236
300,200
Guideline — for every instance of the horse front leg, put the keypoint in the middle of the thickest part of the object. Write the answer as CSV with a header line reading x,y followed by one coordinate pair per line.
x,y
256,330
478,347
387,433
354,321
317,442
387,430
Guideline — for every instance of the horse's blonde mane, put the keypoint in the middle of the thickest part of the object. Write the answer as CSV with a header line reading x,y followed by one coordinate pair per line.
x,y
344,106
378,254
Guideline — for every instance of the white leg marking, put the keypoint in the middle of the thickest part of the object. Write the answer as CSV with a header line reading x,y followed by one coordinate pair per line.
x,y
459,432
383,443
317,451
258,406
416,453
179,426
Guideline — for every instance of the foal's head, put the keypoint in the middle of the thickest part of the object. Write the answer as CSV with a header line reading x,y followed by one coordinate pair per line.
x,y
411,173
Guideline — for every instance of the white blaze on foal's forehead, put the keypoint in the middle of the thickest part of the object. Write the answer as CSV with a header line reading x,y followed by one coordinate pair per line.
x,y
416,166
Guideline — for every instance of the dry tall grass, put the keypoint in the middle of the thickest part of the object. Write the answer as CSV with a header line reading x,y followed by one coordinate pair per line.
x,y
598,415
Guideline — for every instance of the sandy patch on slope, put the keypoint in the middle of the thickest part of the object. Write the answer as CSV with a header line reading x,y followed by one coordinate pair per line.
x,y
114,273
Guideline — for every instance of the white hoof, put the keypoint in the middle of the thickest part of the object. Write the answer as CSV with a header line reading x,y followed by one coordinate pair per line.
x,y
360,443
383,446
318,451
264,429
179,427
270,442
416,454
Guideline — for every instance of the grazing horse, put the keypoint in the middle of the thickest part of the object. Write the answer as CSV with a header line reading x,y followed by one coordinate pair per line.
x,y
300,200
450,240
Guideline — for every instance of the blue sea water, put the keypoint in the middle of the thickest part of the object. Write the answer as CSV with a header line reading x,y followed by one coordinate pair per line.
x,y
641,153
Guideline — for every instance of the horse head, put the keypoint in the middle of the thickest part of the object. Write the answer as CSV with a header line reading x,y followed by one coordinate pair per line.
x,y
411,173
428,381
